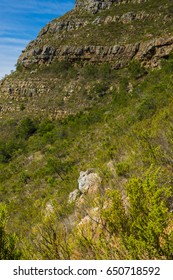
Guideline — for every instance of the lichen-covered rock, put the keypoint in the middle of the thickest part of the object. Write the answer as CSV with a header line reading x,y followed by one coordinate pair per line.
x,y
73,196
89,181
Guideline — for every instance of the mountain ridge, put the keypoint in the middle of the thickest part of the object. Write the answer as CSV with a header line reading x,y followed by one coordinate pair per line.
x,y
75,21
70,39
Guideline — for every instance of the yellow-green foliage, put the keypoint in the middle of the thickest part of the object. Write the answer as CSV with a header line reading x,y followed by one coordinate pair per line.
x,y
8,241
122,134
137,226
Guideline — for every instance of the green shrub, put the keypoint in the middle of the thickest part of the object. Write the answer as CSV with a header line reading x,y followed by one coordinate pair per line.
x,y
90,71
61,69
147,108
8,241
136,69
149,217
100,89
22,107
141,221
122,169
19,67
10,148
26,128
45,126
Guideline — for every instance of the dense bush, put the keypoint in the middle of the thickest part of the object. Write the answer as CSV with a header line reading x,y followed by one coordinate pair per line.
x,y
147,108
122,169
136,69
8,241
10,149
26,128
121,133
137,226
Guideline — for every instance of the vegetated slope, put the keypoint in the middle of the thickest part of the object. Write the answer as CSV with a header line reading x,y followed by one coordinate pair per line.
x,y
114,123
140,30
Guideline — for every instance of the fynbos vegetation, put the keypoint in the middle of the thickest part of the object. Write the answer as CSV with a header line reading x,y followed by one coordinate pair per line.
x,y
86,138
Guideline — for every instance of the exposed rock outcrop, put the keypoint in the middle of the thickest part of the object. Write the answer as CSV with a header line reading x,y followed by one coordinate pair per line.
x,y
25,94
73,196
94,6
148,52
53,42
57,27
60,27
89,181
154,50
59,41
127,17
120,54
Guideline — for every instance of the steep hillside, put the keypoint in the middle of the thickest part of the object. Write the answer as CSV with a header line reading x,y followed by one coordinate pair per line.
x,y
113,32
86,151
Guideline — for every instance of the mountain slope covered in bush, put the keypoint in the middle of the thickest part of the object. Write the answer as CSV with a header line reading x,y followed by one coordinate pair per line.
x,y
110,118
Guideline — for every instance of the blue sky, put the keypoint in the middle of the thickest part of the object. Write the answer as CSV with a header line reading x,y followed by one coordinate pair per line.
x,y
20,22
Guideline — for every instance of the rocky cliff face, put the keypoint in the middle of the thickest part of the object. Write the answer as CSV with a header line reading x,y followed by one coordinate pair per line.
x,y
94,6
149,52
95,31
71,37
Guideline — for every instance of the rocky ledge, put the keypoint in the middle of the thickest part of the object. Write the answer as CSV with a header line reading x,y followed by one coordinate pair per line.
x,y
94,6
149,53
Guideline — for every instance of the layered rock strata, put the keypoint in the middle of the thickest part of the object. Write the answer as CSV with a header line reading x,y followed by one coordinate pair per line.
x,y
149,52
94,6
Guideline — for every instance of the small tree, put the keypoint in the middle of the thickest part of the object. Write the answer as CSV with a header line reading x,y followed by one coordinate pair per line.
x,y
27,128
8,249
49,240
